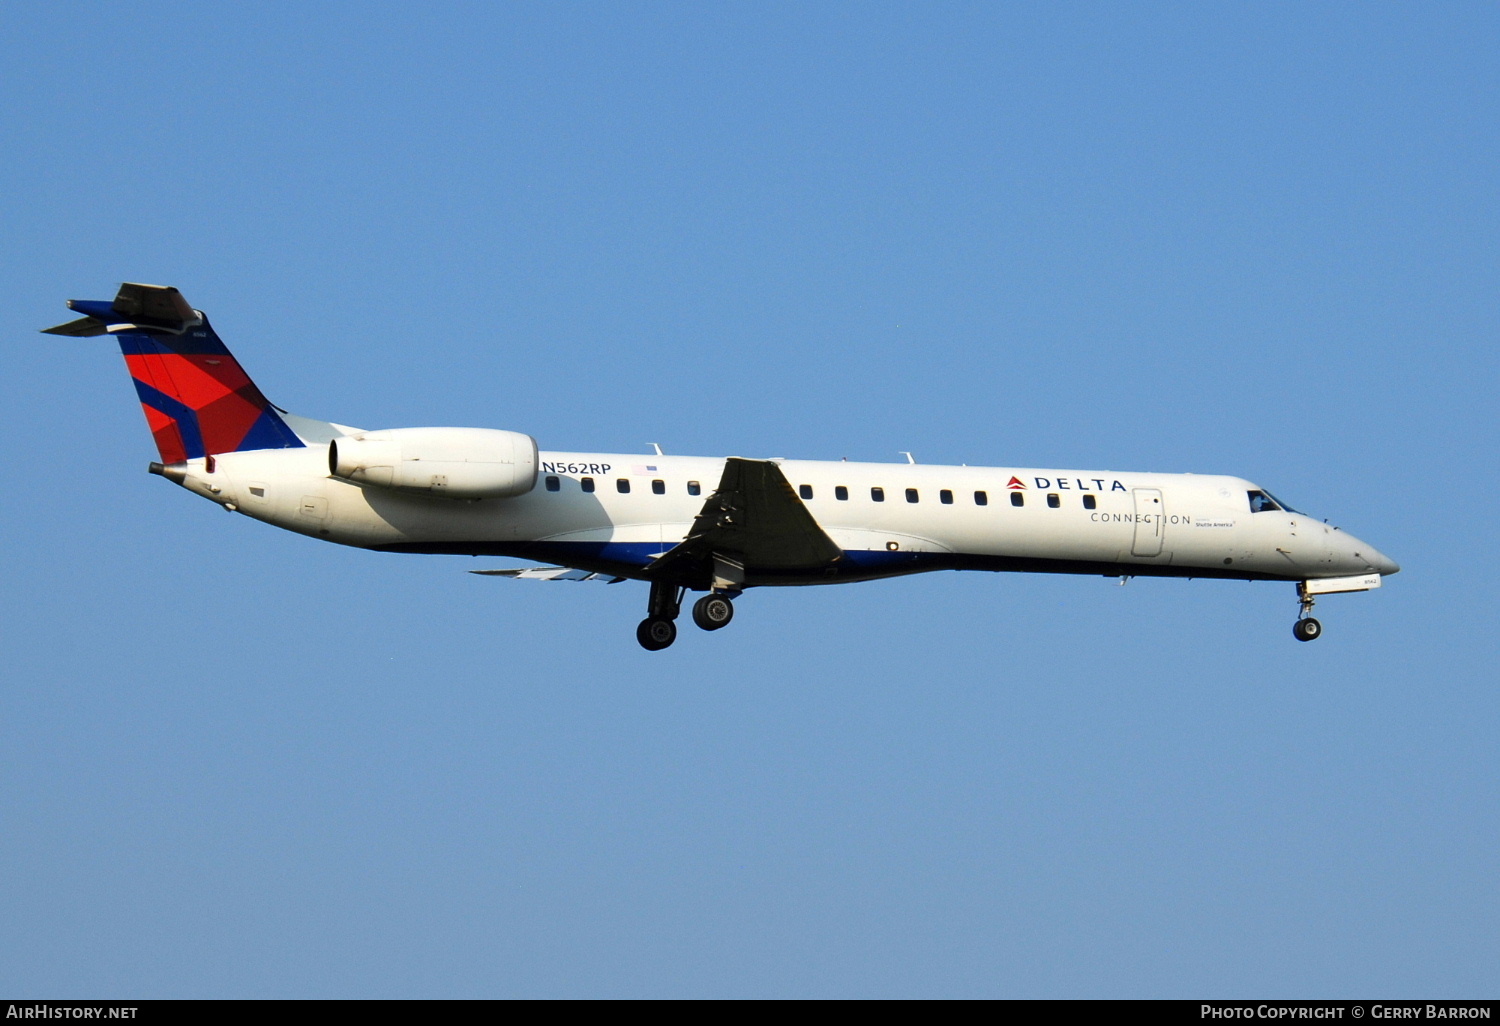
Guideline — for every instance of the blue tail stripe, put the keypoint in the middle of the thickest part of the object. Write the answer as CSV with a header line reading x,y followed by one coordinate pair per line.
x,y
270,432
185,416
201,340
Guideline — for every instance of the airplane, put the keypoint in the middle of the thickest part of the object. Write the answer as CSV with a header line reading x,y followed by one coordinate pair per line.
x,y
715,525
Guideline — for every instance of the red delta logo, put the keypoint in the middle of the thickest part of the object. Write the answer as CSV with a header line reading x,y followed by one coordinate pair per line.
x,y
1078,484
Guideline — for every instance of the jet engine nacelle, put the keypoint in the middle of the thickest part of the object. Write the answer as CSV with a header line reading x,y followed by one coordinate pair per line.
x,y
458,463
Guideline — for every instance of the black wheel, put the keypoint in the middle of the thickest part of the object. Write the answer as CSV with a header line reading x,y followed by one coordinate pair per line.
x,y
712,612
1307,629
655,634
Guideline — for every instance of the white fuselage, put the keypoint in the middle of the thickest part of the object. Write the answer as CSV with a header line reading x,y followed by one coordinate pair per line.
x,y
887,518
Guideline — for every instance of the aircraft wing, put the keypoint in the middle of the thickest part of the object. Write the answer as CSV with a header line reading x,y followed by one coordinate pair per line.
x,y
752,520
549,573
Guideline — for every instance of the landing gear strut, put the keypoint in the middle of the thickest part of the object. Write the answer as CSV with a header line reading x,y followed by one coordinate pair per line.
x,y
658,630
1306,628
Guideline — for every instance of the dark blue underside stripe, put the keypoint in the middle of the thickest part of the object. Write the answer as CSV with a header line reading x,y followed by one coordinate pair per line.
x,y
629,559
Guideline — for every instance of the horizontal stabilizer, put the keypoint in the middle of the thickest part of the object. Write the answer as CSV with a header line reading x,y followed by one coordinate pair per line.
x,y
84,327
158,304
549,573
155,307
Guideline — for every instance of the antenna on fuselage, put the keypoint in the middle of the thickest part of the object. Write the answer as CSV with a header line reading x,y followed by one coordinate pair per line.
x,y
657,447
909,457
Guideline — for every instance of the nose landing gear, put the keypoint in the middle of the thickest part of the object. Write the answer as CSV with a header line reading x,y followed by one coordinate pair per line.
x,y
1306,628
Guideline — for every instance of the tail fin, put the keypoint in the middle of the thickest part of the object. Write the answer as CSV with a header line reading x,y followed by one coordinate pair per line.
x,y
197,399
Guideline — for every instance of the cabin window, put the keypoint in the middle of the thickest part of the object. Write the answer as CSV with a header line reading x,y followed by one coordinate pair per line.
x,y
841,493
1018,498
622,485
981,498
553,484
658,487
877,494
911,495
945,497
694,488
805,491
587,482
1089,502
1054,500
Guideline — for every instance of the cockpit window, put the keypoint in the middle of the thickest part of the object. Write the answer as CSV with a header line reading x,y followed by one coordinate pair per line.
x,y
1265,502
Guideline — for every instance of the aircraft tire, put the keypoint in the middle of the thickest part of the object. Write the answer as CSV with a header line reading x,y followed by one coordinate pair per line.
x,y
1307,629
712,612
656,633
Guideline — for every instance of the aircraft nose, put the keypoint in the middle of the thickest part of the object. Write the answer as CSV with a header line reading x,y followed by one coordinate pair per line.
x,y
1375,559
1363,558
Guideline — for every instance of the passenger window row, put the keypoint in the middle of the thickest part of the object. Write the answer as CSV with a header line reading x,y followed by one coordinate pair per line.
x,y
840,492
945,496
622,485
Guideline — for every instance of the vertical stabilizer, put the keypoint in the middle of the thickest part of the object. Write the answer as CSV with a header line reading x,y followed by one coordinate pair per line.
x,y
197,399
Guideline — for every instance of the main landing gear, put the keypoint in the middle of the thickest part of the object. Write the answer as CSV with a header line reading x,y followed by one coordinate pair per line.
x,y
1306,628
656,633
659,628
713,611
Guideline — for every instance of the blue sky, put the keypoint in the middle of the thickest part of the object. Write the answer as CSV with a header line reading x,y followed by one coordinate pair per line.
x,y
1248,239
